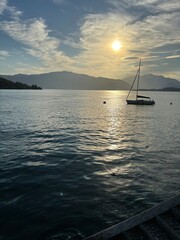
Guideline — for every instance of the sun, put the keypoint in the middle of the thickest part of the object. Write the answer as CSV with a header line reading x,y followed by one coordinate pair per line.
x,y
116,45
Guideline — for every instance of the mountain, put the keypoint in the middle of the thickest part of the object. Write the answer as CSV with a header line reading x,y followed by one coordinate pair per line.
x,y
6,84
68,80
150,81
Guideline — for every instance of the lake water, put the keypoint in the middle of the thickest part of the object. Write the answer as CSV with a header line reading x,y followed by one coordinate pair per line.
x,y
71,166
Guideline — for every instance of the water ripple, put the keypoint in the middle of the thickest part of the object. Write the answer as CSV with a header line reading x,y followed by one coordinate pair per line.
x,y
71,166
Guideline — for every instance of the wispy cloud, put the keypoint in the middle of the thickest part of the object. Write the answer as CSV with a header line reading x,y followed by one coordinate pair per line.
x,y
35,37
58,1
32,32
174,56
142,9
164,5
4,54
173,5
3,5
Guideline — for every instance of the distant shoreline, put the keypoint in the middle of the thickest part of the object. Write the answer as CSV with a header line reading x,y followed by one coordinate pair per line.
x,y
38,88
162,90
68,89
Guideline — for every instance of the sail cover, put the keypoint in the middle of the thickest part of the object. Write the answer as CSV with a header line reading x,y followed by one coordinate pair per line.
x,y
140,96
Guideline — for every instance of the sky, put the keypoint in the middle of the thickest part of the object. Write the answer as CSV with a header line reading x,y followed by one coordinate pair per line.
x,y
38,36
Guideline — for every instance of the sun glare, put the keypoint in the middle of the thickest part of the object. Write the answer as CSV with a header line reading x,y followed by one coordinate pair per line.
x,y
116,45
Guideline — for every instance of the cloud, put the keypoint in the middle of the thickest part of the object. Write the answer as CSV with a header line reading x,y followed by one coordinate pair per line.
x,y
142,9
134,4
158,30
172,5
144,27
3,5
14,13
172,47
32,33
4,54
96,36
159,4
35,37
137,37
174,56
58,1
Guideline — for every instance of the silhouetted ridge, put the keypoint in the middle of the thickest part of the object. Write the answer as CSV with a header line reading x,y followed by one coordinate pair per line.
x,y
7,84
69,80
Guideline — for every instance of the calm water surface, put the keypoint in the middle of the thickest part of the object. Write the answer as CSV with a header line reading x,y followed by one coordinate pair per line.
x,y
71,166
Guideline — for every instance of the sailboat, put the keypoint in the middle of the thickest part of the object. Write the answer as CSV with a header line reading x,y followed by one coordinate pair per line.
x,y
139,100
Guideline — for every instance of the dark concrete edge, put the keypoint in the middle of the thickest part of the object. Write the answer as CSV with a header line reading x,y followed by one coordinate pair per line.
x,y
136,220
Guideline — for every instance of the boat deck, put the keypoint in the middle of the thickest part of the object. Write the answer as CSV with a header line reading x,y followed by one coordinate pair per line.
x,y
161,222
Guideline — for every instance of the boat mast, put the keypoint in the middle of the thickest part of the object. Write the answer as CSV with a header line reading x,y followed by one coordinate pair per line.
x,y
132,84
138,78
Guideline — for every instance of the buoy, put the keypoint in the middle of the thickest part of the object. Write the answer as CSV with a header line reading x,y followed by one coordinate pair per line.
x,y
171,103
